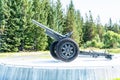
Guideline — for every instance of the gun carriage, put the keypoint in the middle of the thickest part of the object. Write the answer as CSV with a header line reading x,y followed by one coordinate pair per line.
x,y
64,48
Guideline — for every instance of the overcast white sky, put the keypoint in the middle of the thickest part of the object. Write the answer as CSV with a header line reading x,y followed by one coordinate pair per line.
x,y
104,8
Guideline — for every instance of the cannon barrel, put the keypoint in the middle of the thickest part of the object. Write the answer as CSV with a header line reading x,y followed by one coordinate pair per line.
x,y
51,33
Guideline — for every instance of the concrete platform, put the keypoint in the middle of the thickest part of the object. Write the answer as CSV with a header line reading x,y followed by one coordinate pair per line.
x,y
83,68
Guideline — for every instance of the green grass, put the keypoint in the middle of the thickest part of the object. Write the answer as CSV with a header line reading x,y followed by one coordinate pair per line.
x,y
45,54
116,79
39,54
2,55
114,50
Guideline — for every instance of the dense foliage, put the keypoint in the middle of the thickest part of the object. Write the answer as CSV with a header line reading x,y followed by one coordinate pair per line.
x,y
18,33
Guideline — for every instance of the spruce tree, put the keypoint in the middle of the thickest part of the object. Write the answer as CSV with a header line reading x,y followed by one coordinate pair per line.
x,y
99,28
14,25
55,18
51,22
88,28
79,22
28,40
40,10
70,23
22,12
59,16
4,15
110,25
116,28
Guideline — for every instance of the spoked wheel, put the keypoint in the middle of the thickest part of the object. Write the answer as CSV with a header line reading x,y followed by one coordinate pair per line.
x,y
67,50
53,49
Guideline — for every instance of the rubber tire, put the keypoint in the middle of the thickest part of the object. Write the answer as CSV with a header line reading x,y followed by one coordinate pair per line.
x,y
71,45
52,50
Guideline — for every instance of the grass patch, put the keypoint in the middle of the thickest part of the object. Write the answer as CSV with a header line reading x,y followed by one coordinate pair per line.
x,y
116,79
2,55
38,54
45,54
114,50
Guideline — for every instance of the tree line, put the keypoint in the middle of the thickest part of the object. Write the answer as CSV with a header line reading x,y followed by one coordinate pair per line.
x,y
18,33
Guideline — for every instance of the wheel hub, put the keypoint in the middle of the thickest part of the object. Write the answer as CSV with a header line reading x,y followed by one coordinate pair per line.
x,y
67,50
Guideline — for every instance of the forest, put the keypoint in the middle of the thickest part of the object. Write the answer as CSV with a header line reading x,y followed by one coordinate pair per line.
x,y
18,33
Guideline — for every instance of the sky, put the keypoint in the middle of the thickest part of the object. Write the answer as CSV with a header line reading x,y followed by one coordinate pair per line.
x,y
106,9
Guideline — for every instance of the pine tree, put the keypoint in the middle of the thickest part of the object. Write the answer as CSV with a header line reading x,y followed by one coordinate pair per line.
x,y
110,25
99,28
40,11
4,15
14,25
116,28
22,12
59,16
119,27
88,28
28,40
79,22
51,22
55,18
70,23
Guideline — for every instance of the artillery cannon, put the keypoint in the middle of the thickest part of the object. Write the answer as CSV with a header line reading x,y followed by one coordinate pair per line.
x,y
64,48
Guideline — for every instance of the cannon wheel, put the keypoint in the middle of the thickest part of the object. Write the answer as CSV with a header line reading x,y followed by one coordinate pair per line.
x,y
67,50
53,49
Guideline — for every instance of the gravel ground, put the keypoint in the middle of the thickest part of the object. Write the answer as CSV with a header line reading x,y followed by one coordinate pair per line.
x,y
47,60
